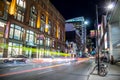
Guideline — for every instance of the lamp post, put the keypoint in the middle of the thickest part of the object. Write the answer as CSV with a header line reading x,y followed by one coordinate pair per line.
x,y
109,7
85,25
97,45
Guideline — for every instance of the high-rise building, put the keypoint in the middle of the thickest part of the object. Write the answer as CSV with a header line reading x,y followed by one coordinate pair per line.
x,y
80,28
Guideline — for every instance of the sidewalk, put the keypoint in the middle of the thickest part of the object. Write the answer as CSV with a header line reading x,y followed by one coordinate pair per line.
x,y
113,74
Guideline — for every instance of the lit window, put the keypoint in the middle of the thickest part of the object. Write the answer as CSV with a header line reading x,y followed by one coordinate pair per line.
x,y
33,17
42,28
19,15
30,37
16,32
21,3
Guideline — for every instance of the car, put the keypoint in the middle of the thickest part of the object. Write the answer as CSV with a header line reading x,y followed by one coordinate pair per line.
x,y
20,58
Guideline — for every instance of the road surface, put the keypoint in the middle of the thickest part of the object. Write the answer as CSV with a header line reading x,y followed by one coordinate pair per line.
x,y
65,71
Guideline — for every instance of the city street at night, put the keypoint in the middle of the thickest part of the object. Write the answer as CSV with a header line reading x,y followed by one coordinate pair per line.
x,y
65,71
59,39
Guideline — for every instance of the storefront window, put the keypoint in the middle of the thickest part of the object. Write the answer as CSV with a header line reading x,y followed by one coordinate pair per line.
x,y
14,49
30,37
41,42
35,38
47,41
11,33
16,32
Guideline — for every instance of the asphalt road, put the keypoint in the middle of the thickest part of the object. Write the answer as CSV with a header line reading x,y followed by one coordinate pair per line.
x,y
65,71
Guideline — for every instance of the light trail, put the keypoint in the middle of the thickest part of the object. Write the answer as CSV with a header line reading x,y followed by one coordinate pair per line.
x,y
35,69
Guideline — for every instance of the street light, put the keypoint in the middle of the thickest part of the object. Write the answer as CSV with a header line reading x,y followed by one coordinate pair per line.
x,y
85,25
86,22
109,7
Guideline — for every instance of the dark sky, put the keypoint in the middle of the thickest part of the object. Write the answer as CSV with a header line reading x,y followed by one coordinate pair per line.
x,y
76,8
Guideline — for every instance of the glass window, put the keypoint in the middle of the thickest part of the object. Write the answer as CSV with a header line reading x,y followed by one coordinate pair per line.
x,y
42,28
16,32
41,42
33,17
14,49
21,3
49,27
35,38
30,37
47,41
11,33
19,15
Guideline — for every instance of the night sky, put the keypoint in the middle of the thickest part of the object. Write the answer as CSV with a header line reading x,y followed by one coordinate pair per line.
x,y
76,8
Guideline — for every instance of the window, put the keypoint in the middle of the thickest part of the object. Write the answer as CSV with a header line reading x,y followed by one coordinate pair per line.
x,y
11,31
19,15
49,27
14,49
16,32
21,3
41,42
30,37
47,41
33,17
42,28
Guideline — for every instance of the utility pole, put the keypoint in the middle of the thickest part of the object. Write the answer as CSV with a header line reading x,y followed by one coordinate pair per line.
x,y
97,38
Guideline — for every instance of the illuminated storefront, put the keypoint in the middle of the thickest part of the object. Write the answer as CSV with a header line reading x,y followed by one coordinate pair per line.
x,y
2,27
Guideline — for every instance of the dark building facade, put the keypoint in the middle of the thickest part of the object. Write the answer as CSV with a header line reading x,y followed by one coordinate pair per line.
x,y
33,28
